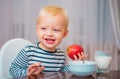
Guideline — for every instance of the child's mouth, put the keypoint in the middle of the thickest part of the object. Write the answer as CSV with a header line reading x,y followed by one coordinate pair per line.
x,y
49,40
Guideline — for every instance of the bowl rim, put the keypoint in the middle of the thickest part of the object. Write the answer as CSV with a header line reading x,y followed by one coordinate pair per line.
x,y
81,62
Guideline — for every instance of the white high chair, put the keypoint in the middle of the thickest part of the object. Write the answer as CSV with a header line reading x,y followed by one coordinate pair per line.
x,y
8,53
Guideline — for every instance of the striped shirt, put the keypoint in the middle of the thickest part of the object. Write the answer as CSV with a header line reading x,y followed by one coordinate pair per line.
x,y
52,61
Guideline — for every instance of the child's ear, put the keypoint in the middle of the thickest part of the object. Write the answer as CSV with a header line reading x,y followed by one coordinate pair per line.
x,y
66,33
36,28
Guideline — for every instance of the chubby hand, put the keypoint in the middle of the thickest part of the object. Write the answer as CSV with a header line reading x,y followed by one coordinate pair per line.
x,y
81,56
35,69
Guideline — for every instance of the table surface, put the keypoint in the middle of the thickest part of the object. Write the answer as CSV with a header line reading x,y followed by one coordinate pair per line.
x,y
51,75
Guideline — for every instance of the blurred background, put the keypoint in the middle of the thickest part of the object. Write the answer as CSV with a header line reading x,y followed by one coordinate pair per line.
x,y
94,24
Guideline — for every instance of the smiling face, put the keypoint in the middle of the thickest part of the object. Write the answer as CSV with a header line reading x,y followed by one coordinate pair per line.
x,y
51,30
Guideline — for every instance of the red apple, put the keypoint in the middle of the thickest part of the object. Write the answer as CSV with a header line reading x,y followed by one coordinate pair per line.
x,y
74,50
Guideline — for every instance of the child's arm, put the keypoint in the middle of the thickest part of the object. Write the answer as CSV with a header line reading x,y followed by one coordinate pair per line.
x,y
19,65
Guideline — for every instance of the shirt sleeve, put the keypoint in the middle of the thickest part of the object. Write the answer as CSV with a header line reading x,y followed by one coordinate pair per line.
x,y
66,68
19,65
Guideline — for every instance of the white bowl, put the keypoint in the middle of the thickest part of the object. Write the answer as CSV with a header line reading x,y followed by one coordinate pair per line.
x,y
82,69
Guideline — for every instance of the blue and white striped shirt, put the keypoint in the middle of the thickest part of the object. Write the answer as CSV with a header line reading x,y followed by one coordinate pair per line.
x,y
52,61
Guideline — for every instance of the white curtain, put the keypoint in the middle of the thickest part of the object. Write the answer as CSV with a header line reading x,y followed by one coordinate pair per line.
x,y
114,8
115,17
91,23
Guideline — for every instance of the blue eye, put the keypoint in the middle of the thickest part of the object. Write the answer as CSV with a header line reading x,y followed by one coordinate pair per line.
x,y
43,28
57,30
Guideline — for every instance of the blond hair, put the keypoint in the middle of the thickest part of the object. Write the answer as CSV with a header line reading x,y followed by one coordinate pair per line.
x,y
53,10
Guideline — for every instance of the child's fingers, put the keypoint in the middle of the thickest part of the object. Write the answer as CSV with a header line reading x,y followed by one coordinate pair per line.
x,y
35,65
31,67
75,57
38,63
31,71
79,56
86,56
38,70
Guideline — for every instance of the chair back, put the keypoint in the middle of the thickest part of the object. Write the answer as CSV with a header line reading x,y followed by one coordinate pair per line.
x,y
8,53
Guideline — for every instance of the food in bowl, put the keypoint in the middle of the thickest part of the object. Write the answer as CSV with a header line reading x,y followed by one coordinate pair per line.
x,y
82,69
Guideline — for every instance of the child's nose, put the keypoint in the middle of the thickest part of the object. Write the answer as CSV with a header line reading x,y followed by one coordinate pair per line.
x,y
49,33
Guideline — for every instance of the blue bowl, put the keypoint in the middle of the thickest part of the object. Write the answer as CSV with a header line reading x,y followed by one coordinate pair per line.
x,y
82,69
